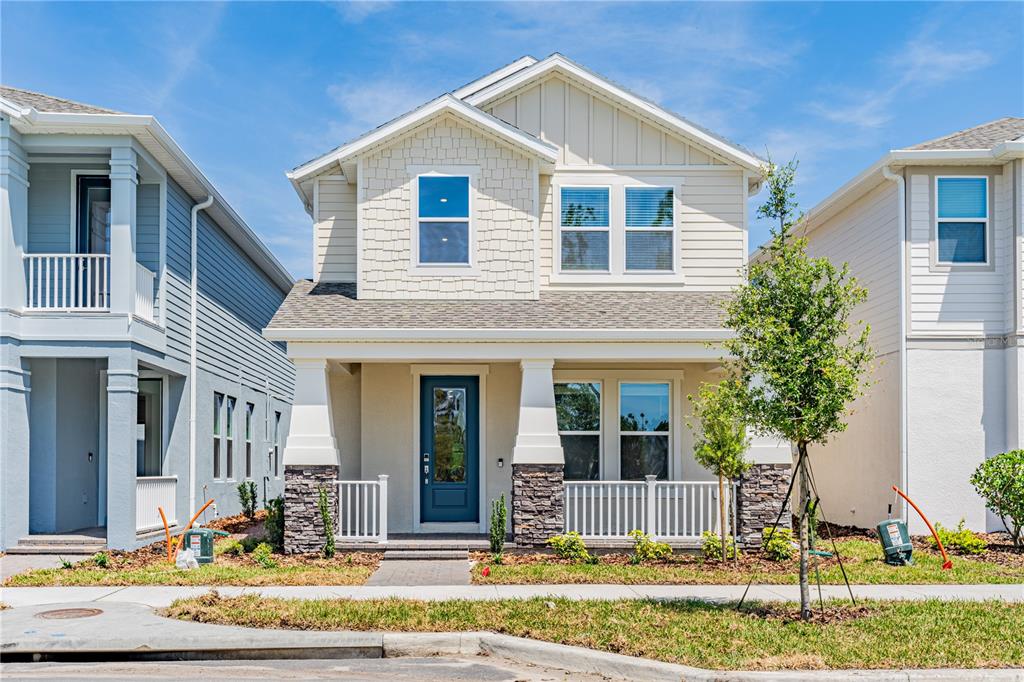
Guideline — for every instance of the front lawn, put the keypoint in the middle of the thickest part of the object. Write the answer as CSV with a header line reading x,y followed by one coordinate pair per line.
x,y
930,634
862,559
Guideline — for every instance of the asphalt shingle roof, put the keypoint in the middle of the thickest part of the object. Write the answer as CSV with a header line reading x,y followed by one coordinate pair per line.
x,y
48,103
984,136
334,306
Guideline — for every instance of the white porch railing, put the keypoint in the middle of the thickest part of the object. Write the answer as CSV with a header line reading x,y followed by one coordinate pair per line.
x,y
145,283
67,281
152,492
663,509
363,510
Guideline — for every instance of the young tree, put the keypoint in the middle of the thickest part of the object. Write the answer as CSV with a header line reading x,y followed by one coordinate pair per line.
x,y
797,356
722,440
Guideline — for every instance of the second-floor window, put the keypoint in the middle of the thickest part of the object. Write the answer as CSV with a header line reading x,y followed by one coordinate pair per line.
x,y
961,220
585,224
443,220
650,218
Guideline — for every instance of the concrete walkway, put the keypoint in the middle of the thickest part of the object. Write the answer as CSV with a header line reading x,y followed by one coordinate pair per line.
x,y
158,596
414,573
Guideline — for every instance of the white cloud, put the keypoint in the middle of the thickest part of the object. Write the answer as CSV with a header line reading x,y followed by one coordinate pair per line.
x,y
366,104
355,12
183,50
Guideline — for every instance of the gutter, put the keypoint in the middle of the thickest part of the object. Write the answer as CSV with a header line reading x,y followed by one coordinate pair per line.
x,y
193,355
455,334
901,226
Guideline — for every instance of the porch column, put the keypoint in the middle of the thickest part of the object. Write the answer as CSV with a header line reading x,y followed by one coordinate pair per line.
x,y
310,459
15,464
122,442
762,490
123,187
13,217
538,496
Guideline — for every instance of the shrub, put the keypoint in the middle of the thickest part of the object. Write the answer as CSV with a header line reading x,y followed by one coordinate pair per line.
x,y
229,546
250,542
247,497
571,546
777,546
498,516
959,539
328,521
711,546
263,555
646,549
65,564
101,559
274,523
1000,481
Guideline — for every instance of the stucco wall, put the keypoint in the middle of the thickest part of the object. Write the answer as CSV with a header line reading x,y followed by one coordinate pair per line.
x,y
502,225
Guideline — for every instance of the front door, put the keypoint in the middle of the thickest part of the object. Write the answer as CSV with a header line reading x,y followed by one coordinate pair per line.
x,y
449,446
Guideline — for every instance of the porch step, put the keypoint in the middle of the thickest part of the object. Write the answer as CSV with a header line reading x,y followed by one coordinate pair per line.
x,y
89,542
425,554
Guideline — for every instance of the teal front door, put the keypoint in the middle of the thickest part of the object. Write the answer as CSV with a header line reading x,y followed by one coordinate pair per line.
x,y
449,467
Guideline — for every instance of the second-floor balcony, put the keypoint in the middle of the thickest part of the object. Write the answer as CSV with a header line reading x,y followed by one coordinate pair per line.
x,y
81,282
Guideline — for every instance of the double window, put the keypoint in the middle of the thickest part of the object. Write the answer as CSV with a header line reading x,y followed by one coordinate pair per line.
x,y
961,211
443,231
616,229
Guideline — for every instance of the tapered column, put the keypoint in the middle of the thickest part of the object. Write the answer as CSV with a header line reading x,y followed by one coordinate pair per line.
x,y
13,217
310,459
123,185
538,494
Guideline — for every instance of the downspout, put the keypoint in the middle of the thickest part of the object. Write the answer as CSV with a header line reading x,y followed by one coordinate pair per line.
x,y
901,226
193,355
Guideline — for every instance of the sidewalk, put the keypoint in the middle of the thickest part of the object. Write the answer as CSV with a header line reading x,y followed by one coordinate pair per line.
x,y
158,596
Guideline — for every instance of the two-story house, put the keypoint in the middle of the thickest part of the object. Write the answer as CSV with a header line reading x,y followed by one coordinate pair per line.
x,y
516,286
934,232
133,371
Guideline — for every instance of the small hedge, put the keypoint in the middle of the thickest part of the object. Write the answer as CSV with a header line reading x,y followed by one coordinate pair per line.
x,y
961,540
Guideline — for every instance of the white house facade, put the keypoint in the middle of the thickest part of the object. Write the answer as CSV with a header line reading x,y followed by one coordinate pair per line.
x,y
134,375
934,232
516,287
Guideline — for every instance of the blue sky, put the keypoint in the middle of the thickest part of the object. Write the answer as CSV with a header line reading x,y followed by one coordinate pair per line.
x,y
253,89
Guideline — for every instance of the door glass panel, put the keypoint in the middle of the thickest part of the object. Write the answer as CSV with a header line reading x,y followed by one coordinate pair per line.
x,y
450,435
94,215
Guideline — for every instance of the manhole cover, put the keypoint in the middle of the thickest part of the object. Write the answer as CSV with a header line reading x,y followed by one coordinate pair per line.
x,y
63,614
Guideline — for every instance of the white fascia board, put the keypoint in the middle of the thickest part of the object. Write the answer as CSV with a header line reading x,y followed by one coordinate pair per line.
x,y
494,76
444,103
491,334
666,118
128,124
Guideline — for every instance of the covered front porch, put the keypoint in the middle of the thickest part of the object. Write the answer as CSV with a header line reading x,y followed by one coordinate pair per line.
x,y
574,442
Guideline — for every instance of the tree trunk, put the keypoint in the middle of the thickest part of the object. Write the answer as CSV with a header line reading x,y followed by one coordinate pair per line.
x,y
721,515
804,497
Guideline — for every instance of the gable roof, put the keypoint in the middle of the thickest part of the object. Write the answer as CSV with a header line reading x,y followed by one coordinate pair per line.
x,y
558,63
984,136
493,77
32,113
446,103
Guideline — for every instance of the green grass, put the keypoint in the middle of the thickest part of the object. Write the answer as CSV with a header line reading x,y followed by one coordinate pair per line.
x,y
861,558
930,634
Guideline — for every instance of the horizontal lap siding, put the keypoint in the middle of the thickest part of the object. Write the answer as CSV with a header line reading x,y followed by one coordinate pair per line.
x,y
49,206
864,235
147,233
711,230
335,231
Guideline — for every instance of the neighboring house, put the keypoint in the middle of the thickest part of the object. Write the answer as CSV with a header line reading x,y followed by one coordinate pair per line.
x,y
121,391
934,233
516,286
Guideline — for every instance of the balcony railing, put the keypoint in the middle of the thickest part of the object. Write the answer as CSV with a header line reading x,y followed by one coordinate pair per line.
x,y
145,281
67,281
151,494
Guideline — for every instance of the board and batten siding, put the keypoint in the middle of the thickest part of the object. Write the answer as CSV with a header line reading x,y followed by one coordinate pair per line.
x,y
334,230
865,235
961,301
236,301
590,129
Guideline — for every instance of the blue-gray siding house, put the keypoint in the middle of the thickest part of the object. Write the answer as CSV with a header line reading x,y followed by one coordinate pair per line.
x,y
123,389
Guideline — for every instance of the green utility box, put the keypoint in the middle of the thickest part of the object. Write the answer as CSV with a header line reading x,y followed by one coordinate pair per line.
x,y
200,541
895,540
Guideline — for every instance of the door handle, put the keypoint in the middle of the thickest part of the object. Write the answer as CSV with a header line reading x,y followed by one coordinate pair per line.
x,y
426,468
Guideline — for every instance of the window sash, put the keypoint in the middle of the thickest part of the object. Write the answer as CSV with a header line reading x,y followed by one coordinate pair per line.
x,y
954,212
455,218
605,217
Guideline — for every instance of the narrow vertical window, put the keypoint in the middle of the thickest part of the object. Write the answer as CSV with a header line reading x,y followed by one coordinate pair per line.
x,y
277,445
249,409
229,468
650,222
584,228
578,407
443,220
218,403
962,215
644,424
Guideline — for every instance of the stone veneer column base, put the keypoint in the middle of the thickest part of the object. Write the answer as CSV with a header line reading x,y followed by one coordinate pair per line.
x,y
761,494
303,526
538,503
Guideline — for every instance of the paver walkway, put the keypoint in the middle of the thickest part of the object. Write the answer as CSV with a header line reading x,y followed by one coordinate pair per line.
x,y
398,573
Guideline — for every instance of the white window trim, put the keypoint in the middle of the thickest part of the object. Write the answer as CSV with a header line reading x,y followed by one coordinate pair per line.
x,y
600,423
674,229
617,273
218,420
671,433
986,222
417,268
